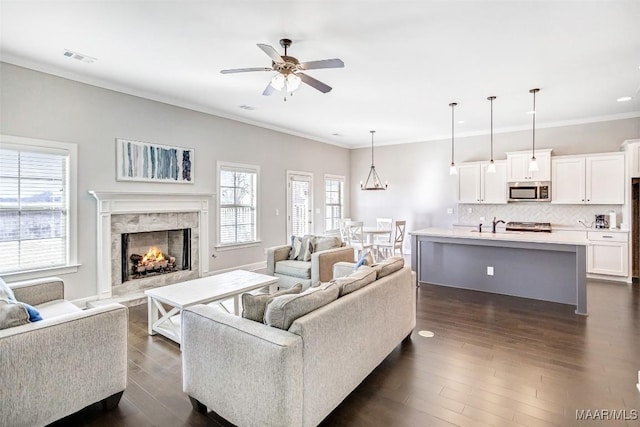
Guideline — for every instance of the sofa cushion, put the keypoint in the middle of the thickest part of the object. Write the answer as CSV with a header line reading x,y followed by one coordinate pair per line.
x,y
253,305
356,280
56,308
301,269
388,266
326,243
12,314
282,311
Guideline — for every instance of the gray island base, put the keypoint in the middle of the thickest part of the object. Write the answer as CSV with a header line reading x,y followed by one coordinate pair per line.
x,y
540,266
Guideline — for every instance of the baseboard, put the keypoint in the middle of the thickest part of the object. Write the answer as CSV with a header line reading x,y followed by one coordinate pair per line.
x,y
603,278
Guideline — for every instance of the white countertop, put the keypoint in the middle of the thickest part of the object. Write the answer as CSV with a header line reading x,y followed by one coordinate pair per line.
x,y
513,236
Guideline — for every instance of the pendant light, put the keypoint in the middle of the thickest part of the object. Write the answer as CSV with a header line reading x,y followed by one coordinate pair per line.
x,y
533,163
492,167
376,183
452,168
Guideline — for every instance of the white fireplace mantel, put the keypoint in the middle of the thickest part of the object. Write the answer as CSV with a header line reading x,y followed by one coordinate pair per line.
x,y
112,203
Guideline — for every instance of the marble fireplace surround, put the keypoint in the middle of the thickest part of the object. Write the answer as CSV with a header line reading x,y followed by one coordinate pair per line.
x,y
148,212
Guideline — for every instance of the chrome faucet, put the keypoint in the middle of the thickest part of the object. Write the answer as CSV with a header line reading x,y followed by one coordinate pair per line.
x,y
494,223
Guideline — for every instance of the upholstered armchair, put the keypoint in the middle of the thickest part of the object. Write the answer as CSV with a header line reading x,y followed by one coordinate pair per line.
x,y
69,360
318,269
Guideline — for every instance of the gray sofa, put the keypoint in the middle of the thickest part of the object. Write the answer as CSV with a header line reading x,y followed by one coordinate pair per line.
x,y
255,375
318,269
69,360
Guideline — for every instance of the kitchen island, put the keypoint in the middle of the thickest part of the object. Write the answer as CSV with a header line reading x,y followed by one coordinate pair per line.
x,y
542,266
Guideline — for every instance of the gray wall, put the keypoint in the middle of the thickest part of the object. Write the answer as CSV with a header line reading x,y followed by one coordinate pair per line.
x,y
38,105
421,189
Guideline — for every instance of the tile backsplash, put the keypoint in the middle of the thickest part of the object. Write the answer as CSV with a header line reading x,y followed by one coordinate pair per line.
x,y
557,215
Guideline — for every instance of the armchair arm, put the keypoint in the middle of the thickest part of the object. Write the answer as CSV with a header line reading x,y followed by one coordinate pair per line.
x,y
322,262
38,291
275,254
58,366
247,372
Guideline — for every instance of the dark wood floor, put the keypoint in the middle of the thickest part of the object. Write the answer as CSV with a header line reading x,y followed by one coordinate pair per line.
x,y
494,360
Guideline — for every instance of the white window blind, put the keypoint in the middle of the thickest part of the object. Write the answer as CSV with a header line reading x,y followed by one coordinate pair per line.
x,y
334,202
238,205
300,205
33,208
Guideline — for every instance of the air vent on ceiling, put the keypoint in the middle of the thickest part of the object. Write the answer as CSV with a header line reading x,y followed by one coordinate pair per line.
x,y
79,56
247,107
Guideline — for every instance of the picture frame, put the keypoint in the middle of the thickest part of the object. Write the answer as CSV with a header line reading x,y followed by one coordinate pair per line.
x,y
149,162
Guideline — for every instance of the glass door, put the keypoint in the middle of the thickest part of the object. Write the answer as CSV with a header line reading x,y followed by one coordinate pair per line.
x,y
299,203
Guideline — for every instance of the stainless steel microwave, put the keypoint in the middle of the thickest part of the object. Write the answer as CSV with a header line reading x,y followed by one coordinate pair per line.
x,y
529,191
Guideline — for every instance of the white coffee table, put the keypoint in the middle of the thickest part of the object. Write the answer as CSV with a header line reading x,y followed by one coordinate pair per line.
x,y
199,291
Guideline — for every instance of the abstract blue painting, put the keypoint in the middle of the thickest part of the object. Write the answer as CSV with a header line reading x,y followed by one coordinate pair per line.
x,y
143,161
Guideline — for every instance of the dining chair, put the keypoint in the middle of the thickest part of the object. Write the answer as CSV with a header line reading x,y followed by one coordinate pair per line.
x,y
383,224
389,248
344,232
356,238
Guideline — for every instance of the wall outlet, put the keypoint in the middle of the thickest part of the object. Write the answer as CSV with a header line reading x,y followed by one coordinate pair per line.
x,y
449,211
277,212
469,210
481,219
489,270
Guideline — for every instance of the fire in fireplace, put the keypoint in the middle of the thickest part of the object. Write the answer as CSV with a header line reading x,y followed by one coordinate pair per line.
x,y
162,252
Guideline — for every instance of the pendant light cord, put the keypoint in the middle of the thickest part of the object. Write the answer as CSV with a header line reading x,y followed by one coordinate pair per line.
x,y
452,105
372,132
491,98
533,145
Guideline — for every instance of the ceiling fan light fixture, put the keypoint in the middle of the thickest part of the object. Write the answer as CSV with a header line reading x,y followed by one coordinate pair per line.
x,y
293,82
277,82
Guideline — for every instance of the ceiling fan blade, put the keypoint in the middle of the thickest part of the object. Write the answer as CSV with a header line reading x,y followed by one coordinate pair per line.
x,y
323,63
245,70
268,90
317,84
273,54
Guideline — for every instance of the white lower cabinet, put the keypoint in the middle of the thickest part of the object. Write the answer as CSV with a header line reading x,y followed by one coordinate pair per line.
x,y
608,253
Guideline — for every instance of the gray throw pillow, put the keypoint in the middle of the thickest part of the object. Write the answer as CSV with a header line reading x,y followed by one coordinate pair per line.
x,y
356,280
12,314
253,305
388,266
326,243
282,311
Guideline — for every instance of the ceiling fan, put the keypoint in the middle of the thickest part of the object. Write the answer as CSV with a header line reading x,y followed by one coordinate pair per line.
x,y
289,70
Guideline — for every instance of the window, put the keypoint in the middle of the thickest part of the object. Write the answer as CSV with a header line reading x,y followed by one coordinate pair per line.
x,y
334,201
37,210
238,204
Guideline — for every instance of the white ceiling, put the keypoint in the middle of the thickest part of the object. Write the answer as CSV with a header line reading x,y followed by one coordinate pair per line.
x,y
405,61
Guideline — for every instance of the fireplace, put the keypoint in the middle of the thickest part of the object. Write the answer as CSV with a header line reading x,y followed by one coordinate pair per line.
x,y
147,254
181,219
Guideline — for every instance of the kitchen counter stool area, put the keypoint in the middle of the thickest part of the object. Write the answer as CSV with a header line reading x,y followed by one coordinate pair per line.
x,y
540,266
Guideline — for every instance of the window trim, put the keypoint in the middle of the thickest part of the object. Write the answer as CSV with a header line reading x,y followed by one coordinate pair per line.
x,y
71,266
333,177
220,165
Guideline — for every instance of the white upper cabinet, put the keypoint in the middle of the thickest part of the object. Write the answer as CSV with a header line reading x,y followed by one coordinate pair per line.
x,y
633,148
567,180
476,185
518,166
596,179
469,183
605,179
